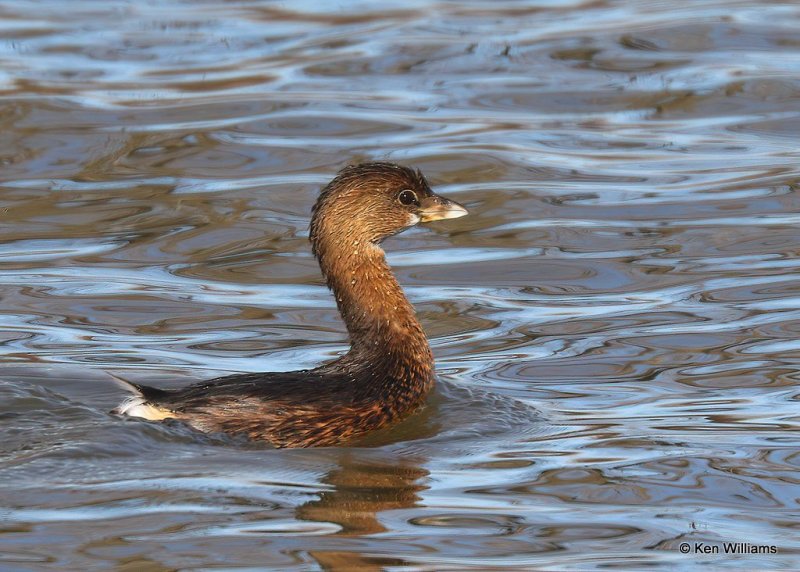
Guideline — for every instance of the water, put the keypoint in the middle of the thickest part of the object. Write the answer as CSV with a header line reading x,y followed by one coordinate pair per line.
x,y
615,324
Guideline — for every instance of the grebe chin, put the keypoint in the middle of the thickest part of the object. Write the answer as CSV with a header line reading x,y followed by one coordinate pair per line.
x,y
388,370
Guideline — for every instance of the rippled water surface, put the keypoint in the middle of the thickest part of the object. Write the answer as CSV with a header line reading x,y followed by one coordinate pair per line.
x,y
616,324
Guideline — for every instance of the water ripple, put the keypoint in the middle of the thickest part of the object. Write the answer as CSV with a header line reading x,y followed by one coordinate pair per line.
x,y
615,323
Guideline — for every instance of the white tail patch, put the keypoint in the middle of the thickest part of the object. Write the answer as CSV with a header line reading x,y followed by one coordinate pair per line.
x,y
136,406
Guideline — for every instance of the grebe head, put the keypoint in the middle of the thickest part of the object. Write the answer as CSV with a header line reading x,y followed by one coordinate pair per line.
x,y
368,202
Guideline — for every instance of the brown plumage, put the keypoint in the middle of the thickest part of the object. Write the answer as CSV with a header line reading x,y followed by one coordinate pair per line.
x,y
389,368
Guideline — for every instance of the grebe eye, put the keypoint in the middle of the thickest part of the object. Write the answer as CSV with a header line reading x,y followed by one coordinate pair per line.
x,y
408,198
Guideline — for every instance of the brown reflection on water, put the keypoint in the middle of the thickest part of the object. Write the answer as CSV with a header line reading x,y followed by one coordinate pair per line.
x,y
360,492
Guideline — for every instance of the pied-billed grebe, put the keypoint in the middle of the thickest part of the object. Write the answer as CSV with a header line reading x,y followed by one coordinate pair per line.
x,y
389,368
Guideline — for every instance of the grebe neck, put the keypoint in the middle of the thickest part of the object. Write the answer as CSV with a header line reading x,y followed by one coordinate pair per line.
x,y
380,320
